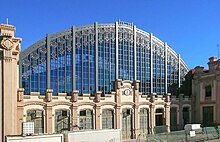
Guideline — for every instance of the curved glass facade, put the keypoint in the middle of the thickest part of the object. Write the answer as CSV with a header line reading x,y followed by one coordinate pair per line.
x,y
90,58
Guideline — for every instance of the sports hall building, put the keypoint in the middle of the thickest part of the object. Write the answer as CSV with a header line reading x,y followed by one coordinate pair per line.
x,y
99,76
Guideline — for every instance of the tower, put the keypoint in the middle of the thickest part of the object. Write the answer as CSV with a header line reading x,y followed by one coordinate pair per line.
x,y
9,56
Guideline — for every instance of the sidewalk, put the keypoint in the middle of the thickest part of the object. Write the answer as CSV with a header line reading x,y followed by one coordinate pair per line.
x,y
216,140
142,140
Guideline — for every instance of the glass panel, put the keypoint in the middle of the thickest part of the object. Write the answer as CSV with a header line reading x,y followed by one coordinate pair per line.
x,y
144,122
107,119
127,123
36,116
86,120
62,121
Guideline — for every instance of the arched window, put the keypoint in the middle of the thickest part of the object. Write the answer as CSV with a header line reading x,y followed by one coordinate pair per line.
x,y
62,121
37,117
86,119
144,121
107,119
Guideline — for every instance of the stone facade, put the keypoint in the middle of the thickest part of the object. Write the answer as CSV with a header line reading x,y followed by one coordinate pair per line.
x,y
205,87
116,101
134,113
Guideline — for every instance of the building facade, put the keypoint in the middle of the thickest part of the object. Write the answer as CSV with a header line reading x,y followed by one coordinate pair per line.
x,y
205,89
90,58
99,76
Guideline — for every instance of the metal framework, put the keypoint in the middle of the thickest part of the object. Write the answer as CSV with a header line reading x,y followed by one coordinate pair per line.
x,y
90,58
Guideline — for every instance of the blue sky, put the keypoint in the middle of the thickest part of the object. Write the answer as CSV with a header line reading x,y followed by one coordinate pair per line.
x,y
190,27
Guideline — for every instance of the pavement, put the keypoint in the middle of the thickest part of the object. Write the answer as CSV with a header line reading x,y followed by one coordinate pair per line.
x,y
143,140
216,140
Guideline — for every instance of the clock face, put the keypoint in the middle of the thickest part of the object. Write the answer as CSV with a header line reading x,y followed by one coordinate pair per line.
x,y
127,92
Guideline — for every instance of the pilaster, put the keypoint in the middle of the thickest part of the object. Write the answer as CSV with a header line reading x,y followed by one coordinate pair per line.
x,y
97,116
136,118
181,110
48,113
117,117
118,93
10,49
136,106
20,110
152,118
167,114
48,119
152,112
74,117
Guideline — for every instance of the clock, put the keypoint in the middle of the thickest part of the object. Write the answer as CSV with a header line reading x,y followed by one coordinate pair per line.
x,y
127,92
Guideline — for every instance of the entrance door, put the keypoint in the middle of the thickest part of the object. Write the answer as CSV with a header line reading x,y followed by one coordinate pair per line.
x,y
173,119
207,115
144,122
160,121
127,123
185,115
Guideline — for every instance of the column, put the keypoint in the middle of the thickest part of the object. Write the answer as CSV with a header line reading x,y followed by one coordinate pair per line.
x,y
75,124
48,119
152,118
181,110
167,114
117,117
136,117
97,117
136,106
20,114
48,112
20,110
74,110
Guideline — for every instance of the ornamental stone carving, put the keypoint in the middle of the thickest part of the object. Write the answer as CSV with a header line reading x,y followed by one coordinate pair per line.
x,y
8,42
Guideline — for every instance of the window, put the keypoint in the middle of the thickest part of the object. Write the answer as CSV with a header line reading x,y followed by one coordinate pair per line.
x,y
144,121
107,119
36,116
208,91
159,117
62,121
86,119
